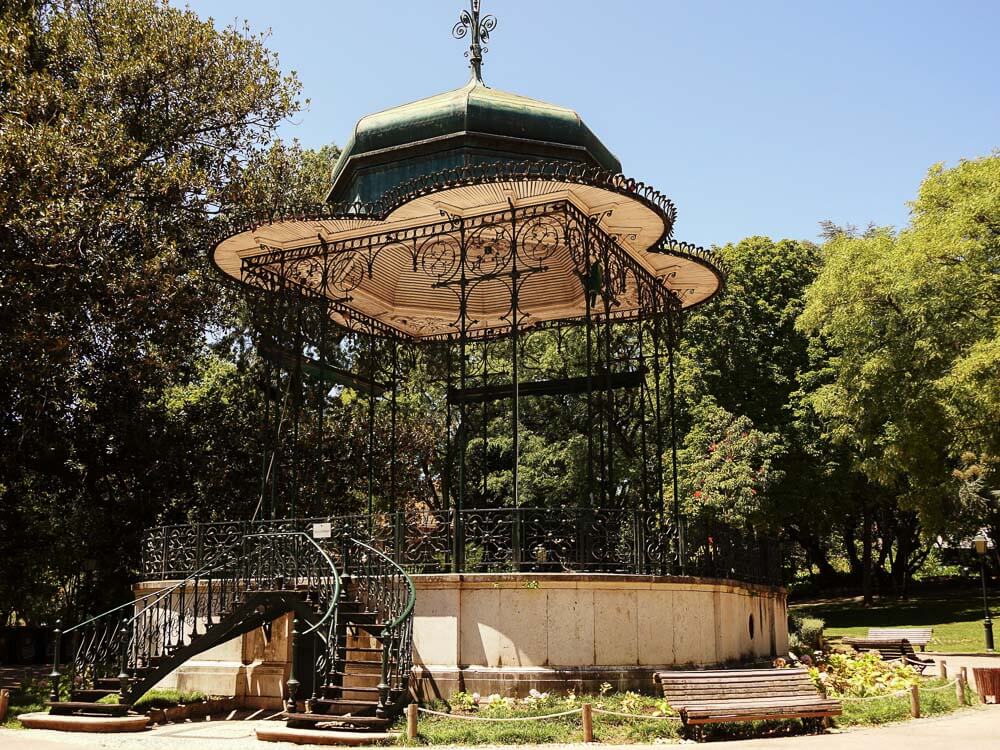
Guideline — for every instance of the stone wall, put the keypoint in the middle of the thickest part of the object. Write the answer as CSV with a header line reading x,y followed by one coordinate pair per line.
x,y
509,633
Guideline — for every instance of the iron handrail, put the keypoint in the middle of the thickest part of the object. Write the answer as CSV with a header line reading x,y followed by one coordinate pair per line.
x,y
112,643
333,573
164,593
411,599
95,618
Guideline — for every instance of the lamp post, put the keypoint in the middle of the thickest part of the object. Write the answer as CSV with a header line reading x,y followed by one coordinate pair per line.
x,y
980,545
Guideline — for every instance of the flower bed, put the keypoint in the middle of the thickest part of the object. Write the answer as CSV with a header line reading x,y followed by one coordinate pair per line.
x,y
874,691
164,706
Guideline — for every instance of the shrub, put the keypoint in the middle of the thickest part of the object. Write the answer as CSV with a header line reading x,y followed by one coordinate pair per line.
x,y
167,699
863,675
810,632
805,634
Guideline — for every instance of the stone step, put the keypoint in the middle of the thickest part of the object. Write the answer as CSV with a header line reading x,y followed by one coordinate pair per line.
x,y
85,708
93,694
318,718
342,706
374,674
351,689
269,732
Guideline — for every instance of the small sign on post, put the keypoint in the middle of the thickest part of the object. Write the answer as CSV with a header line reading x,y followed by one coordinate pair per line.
x,y
322,530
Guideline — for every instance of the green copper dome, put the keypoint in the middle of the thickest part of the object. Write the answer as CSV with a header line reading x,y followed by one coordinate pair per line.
x,y
471,125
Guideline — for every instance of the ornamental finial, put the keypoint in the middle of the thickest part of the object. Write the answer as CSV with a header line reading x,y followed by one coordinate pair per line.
x,y
469,20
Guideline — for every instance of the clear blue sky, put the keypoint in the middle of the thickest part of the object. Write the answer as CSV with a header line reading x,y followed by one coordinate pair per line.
x,y
756,118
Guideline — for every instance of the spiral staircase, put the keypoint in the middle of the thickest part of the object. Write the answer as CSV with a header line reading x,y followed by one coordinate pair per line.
x,y
353,615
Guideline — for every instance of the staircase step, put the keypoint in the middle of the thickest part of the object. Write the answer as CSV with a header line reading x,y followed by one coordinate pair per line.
x,y
63,708
363,649
316,718
344,706
107,683
374,674
94,694
374,663
352,689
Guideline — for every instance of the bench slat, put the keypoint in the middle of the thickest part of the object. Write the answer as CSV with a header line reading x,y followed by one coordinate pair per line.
x,y
725,718
709,696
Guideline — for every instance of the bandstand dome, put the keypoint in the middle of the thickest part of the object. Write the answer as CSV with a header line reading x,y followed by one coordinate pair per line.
x,y
475,124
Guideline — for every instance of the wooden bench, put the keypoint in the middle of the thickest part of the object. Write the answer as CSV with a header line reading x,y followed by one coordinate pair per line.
x,y
900,650
715,696
916,636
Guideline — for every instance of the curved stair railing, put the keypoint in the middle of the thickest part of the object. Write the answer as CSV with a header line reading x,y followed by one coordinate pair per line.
x,y
382,586
249,583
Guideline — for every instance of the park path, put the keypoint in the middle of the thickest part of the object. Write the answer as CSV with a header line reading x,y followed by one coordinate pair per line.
x,y
974,728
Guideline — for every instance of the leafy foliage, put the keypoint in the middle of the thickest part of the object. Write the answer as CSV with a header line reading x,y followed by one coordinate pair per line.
x,y
863,675
911,320
728,466
124,127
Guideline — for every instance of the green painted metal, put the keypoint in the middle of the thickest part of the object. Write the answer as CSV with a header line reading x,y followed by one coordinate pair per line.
x,y
474,124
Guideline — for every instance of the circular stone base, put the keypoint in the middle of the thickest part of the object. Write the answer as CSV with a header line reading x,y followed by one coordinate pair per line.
x,y
44,720
281,733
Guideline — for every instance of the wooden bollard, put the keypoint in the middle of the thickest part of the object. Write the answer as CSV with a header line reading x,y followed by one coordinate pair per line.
x,y
411,721
960,689
915,701
943,669
964,674
588,723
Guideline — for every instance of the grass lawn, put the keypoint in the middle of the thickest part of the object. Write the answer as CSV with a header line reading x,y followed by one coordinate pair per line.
x,y
20,705
957,618
936,697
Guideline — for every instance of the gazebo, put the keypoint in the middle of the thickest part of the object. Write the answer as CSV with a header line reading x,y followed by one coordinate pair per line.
x,y
461,232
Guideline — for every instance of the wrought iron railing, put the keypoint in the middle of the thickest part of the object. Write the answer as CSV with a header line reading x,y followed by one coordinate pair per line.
x,y
380,585
140,641
553,540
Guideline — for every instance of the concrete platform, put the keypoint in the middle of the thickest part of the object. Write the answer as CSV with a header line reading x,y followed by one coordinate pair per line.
x,y
281,733
102,724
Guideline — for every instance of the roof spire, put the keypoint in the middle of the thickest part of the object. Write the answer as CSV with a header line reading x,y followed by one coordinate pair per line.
x,y
469,20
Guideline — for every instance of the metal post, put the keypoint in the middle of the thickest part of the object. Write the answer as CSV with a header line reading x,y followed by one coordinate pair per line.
x,y
486,422
671,346
293,684
515,290
123,678
987,621
54,675
296,457
397,541
320,411
383,685
371,433
463,313
588,299
609,393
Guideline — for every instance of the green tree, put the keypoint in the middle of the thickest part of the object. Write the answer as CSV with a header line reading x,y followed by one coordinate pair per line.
x,y
908,325
728,467
743,352
124,126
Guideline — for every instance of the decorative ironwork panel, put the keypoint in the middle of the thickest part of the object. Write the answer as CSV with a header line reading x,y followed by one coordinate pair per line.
x,y
494,540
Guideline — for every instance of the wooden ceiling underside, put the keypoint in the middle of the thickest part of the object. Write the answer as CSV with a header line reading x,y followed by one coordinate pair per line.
x,y
404,272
